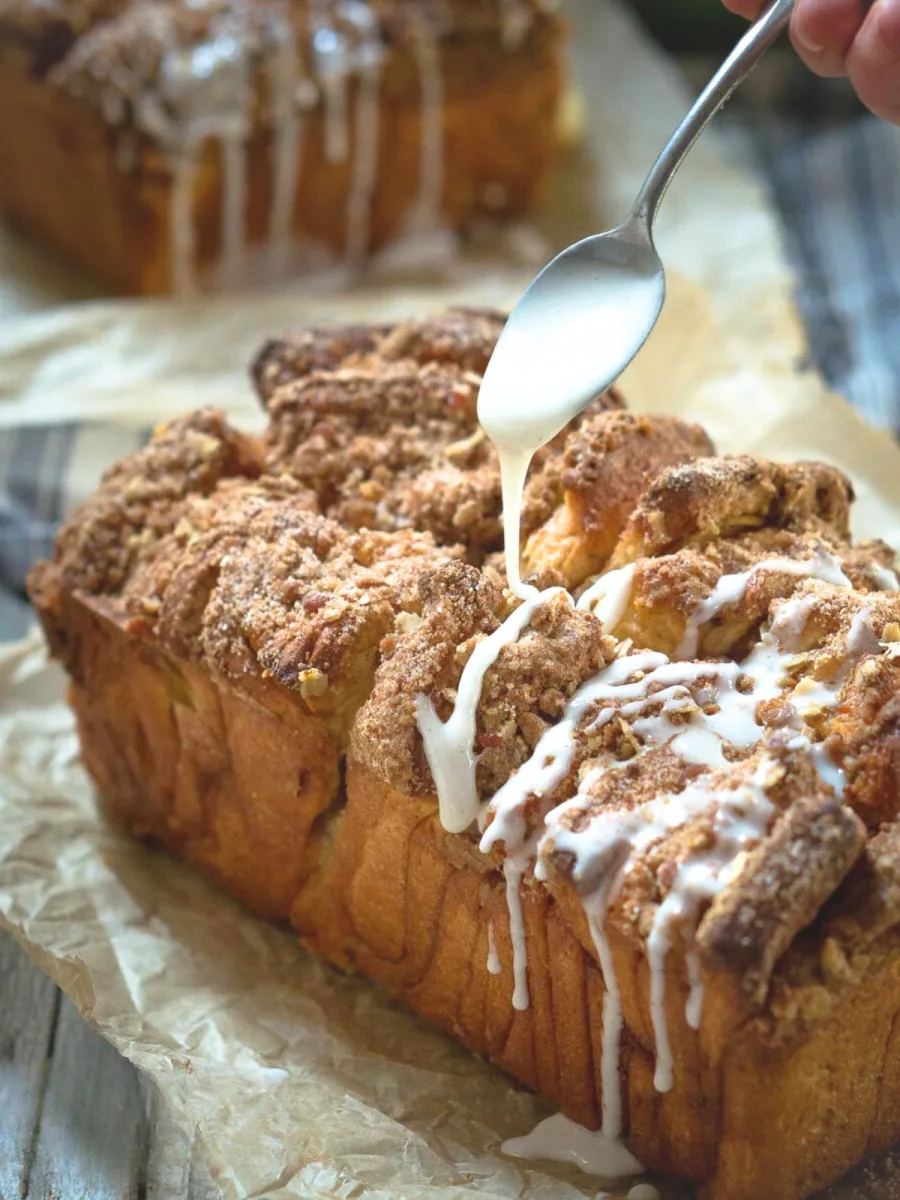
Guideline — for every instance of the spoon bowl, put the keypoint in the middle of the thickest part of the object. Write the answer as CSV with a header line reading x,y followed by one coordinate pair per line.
x,y
579,324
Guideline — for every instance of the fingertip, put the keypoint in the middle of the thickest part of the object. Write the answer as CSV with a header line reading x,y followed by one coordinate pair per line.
x,y
805,41
750,9
824,63
822,32
883,25
873,63
830,22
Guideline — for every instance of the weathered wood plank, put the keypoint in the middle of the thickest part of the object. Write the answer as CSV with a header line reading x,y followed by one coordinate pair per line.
x,y
203,1186
105,1132
167,1174
91,1144
28,1012
176,1167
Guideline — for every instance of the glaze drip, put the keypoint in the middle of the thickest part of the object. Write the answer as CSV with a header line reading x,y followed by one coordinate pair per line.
x,y
449,745
558,1139
332,67
203,95
365,162
426,215
493,958
285,76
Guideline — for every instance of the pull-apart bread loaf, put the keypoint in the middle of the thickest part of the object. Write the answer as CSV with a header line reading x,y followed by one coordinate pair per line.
x,y
633,838
167,145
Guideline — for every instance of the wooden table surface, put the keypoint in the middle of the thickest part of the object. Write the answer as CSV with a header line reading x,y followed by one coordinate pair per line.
x,y
76,1121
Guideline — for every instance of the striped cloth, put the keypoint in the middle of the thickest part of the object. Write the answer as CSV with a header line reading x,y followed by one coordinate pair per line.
x,y
44,473
839,195
838,191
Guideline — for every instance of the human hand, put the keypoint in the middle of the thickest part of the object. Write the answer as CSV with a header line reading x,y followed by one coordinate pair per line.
x,y
848,37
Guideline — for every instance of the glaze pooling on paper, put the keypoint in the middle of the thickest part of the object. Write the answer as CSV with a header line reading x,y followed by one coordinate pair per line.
x,y
560,1140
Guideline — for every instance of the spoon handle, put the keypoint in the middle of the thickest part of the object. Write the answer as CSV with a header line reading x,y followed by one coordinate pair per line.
x,y
733,71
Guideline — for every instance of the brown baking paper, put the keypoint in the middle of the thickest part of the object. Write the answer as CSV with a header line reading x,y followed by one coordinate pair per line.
x,y
298,1081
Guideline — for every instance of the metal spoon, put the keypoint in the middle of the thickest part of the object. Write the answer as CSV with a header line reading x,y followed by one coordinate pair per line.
x,y
590,310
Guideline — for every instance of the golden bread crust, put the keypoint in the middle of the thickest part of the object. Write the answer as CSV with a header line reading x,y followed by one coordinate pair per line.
x,y
603,471
138,500
382,427
719,497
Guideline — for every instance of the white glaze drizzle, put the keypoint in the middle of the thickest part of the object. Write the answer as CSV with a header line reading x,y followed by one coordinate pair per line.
x,y
552,757
610,840
828,771
513,869
610,1085
365,160
603,847
493,958
426,217
608,598
532,389
182,225
628,683
741,819
203,94
811,694
517,19
607,842
558,1139
694,1007
730,589
700,747
224,112
449,745
513,470
287,134
332,68
234,200
883,577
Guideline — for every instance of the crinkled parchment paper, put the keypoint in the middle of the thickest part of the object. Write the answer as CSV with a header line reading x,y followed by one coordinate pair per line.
x,y
301,1082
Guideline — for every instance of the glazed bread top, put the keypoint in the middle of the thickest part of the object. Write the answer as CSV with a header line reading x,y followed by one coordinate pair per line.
x,y
695,747
658,615
381,425
153,65
371,454
713,726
